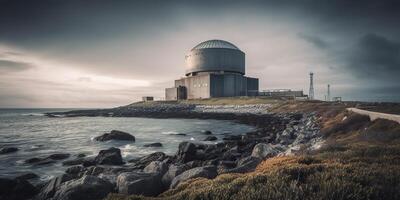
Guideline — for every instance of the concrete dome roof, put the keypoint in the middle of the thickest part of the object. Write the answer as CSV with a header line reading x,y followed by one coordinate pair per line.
x,y
215,44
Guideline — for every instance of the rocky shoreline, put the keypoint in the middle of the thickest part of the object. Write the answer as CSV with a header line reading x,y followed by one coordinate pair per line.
x,y
95,178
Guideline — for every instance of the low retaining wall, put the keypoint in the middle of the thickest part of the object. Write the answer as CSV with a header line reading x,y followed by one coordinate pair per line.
x,y
375,115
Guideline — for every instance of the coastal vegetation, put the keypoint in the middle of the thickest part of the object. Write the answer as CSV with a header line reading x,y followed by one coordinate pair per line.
x,y
360,159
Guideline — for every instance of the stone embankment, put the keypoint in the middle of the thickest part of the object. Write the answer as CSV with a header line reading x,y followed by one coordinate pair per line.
x,y
96,177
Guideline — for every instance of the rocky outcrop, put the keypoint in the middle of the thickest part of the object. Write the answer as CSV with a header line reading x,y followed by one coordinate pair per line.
x,y
50,188
139,183
186,152
87,187
111,156
205,172
27,176
244,165
115,135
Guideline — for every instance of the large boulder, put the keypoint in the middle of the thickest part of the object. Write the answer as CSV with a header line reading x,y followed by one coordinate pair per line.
x,y
186,152
156,167
115,135
16,189
87,187
111,156
209,172
263,150
47,160
6,150
139,183
49,189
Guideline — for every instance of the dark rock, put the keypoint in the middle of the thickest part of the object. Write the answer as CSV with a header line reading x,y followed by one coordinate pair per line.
x,y
111,156
115,135
206,172
75,170
262,151
81,155
156,167
6,150
172,172
206,132
59,156
210,138
156,144
186,152
179,134
77,161
16,189
139,183
27,176
87,187
94,170
50,187
146,160
40,161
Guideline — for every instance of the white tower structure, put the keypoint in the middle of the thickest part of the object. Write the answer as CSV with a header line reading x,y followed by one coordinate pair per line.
x,y
328,96
311,91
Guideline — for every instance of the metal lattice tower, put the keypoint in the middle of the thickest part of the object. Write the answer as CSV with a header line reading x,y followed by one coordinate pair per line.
x,y
328,98
311,91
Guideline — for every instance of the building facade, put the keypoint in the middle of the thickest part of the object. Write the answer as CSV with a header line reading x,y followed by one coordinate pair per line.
x,y
214,68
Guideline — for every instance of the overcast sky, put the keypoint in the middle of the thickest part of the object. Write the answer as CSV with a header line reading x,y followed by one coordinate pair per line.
x,y
110,53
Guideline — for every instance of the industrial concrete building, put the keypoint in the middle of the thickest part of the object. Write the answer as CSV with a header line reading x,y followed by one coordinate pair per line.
x,y
214,68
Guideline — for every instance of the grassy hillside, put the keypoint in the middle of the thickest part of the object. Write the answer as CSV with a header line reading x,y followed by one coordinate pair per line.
x,y
360,160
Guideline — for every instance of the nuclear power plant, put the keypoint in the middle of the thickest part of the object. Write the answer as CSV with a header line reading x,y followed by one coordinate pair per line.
x,y
214,68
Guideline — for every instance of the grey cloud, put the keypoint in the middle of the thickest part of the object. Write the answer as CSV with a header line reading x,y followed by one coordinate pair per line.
x,y
14,66
377,57
315,40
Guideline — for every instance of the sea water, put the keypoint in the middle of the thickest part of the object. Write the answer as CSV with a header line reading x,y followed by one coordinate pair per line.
x,y
39,136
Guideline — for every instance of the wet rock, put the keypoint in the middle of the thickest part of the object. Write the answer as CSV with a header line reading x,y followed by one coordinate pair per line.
x,y
156,144
40,161
206,132
111,156
94,170
210,138
262,151
179,134
205,172
27,176
16,189
87,187
6,150
139,183
146,160
186,152
75,170
156,167
49,189
59,156
81,155
115,135
77,161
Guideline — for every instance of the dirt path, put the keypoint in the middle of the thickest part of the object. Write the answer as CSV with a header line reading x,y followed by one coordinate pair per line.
x,y
375,115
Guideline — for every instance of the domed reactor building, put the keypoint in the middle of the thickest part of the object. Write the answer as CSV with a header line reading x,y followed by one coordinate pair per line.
x,y
214,68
